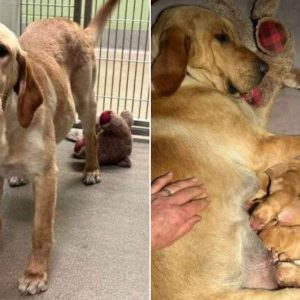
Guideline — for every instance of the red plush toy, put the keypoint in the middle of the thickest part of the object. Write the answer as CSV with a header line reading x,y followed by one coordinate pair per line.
x,y
271,39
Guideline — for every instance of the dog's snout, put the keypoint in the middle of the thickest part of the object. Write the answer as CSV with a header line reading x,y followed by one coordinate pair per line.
x,y
263,67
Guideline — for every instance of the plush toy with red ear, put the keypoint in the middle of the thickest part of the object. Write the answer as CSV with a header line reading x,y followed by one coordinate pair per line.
x,y
263,33
275,46
114,139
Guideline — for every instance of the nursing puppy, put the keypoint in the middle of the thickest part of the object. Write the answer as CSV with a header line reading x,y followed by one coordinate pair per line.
x,y
199,129
44,77
279,189
276,217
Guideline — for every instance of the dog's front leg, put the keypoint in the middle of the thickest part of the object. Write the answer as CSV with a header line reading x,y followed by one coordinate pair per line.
x,y
275,150
35,278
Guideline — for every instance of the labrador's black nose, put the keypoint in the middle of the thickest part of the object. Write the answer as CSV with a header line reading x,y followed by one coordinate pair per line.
x,y
263,67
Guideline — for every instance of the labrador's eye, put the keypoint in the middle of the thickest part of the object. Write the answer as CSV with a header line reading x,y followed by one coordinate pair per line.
x,y
222,38
3,51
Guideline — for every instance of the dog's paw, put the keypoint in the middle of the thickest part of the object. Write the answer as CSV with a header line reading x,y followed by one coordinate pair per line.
x,y
287,274
32,283
93,177
16,181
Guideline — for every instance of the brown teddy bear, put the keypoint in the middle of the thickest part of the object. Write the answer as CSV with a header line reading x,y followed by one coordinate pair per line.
x,y
114,138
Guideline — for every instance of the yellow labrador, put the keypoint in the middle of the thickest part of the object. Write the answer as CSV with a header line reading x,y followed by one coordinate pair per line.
x,y
44,77
199,129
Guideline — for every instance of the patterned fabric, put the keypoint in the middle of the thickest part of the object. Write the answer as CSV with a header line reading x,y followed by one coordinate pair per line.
x,y
272,36
254,97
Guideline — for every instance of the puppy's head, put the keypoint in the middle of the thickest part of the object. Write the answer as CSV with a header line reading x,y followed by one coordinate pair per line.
x,y
207,46
17,76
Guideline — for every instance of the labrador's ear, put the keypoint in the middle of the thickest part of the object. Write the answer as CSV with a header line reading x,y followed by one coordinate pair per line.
x,y
28,91
169,67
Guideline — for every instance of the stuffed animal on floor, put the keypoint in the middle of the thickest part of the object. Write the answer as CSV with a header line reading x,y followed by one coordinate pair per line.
x,y
114,139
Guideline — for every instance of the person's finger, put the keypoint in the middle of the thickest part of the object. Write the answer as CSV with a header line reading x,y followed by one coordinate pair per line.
x,y
194,207
290,215
161,182
187,226
188,194
176,186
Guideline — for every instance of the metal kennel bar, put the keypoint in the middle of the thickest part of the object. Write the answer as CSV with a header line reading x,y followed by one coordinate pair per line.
x,y
122,54
123,58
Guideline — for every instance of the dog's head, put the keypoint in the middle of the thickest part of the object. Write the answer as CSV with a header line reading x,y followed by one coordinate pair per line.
x,y
207,46
17,76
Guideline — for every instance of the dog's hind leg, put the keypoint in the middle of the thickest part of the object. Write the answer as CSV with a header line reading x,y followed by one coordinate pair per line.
x,y
86,107
92,171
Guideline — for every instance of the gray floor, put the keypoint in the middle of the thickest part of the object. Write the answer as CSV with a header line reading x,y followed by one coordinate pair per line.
x,y
101,233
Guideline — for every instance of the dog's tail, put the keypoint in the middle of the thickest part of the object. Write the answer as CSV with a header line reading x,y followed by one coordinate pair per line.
x,y
94,29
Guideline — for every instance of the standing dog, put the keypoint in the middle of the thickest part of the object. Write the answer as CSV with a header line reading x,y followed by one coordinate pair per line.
x,y
44,77
199,129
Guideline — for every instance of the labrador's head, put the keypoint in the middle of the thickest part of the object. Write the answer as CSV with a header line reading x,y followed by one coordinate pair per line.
x,y
207,46
16,76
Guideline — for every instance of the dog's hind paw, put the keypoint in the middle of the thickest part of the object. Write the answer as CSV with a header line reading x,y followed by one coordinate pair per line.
x,y
16,181
33,283
93,177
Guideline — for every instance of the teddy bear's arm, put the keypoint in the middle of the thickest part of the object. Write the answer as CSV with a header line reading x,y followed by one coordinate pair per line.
x,y
292,79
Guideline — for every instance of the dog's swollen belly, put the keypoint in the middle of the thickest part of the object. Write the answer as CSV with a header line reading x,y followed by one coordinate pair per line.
x,y
208,136
258,268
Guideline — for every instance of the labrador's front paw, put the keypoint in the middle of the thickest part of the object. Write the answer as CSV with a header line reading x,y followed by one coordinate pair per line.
x,y
32,283
93,177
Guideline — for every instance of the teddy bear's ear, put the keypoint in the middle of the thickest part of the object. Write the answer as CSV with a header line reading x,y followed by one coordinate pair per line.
x,y
292,80
264,8
127,116
271,36
105,117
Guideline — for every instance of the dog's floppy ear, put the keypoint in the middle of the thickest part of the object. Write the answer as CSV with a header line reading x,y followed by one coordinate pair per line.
x,y
169,67
28,91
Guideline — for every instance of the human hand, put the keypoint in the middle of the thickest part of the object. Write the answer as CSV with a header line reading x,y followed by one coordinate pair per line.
x,y
175,208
